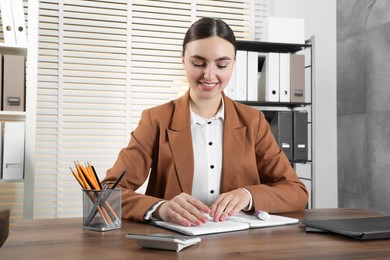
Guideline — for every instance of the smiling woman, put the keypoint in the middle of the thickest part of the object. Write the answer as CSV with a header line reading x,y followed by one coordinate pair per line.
x,y
205,152
208,64
101,63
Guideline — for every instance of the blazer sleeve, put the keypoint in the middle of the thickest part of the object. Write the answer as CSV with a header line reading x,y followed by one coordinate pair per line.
x,y
280,189
136,159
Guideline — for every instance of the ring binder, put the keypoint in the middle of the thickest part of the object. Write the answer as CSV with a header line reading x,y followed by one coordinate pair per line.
x,y
12,15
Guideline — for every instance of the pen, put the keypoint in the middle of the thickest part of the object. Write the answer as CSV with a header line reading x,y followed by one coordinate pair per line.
x,y
97,204
118,180
95,174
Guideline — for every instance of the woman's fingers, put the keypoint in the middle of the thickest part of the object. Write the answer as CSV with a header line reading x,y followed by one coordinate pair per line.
x,y
184,210
229,203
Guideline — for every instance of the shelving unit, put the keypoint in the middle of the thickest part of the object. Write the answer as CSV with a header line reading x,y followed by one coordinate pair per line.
x,y
13,44
12,189
20,193
304,169
12,115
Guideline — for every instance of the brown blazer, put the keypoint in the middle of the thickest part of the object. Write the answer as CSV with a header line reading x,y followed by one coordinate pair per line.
x,y
162,145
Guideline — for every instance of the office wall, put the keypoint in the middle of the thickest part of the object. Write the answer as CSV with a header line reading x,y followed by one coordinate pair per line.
x,y
320,21
363,91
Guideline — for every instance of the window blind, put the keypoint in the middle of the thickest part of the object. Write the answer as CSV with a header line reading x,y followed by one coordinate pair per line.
x,y
101,63
262,9
83,92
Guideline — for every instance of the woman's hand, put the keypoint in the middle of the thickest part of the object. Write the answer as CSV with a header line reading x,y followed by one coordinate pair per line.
x,y
229,203
184,210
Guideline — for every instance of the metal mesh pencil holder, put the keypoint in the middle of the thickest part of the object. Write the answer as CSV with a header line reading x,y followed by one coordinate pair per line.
x,y
102,209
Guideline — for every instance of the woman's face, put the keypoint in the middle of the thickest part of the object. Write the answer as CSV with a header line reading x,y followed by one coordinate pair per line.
x,y
208,64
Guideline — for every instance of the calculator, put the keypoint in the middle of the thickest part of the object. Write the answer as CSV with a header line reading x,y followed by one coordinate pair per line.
x,y
164,241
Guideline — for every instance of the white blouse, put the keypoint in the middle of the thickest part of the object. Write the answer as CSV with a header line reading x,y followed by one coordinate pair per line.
x,y
207,141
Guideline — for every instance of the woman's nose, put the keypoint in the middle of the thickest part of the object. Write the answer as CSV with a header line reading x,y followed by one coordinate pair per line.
x,y
209,72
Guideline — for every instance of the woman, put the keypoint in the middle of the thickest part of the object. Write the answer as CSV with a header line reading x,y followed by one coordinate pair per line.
x,y
206,154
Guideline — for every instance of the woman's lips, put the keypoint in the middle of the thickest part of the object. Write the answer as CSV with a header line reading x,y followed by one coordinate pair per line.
x,y
208,85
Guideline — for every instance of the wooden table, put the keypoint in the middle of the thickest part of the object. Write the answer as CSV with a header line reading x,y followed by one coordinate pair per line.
x,y
65,239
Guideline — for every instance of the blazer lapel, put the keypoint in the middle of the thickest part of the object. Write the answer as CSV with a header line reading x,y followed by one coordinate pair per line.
x,y
233,145
180,141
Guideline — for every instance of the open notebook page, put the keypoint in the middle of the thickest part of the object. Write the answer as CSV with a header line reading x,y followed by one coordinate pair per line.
x,y
240,221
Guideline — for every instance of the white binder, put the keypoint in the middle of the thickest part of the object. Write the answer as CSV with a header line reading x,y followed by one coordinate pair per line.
x,y
284,75
13,151
253,72
19,22
269,78
230,89
14,25
8,22
241,74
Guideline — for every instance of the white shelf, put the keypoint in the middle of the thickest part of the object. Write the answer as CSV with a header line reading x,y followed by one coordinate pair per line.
x,y
11,180
13,50
12,116
12,113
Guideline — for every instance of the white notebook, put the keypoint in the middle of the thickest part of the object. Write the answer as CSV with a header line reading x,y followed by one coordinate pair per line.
x,y
240,221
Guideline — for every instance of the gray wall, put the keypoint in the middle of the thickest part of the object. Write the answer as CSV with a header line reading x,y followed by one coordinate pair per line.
x,y
363,104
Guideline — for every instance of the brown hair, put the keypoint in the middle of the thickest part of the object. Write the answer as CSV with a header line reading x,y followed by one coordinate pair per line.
x,y
208,27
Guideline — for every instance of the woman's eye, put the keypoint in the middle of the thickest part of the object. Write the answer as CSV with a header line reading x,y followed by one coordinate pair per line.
x,y
198,64
222,66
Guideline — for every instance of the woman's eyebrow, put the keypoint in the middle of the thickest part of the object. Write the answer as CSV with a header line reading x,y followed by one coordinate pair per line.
x,y
202,58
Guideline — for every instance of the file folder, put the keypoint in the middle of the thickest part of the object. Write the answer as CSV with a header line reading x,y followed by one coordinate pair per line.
x,y
281,127
300,136
241,75
13,150
269,78
297,78
358,228
303,170
8,22
13,83
284,75
230,89
14,25
19,22
253,72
